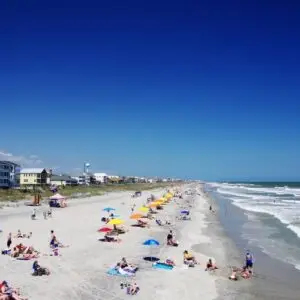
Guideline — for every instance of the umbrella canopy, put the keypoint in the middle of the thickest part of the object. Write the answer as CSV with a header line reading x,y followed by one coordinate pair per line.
x,y
153,204
108,209
57,197
185,212
136,216
105,229
151,242
115,222
144,209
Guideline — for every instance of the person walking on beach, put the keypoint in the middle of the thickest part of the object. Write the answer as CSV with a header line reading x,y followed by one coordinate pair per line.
x,y
9,241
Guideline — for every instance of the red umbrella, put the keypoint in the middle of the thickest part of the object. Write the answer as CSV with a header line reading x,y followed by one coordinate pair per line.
x,y
104,229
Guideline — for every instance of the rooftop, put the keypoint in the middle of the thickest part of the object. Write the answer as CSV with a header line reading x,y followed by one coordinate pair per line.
x,y
32,170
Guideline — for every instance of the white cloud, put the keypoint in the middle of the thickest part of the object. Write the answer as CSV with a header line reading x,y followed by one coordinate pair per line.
x,y
30,161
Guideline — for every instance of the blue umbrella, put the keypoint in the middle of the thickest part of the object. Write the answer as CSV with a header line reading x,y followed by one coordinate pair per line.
x,y
185,212
151,242
108,209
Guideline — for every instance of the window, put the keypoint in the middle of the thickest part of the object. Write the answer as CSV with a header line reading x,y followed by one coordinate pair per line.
x,y
25,180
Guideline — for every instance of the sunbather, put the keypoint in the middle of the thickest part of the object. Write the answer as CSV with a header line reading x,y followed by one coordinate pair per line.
x,y
133,289
246,273
142,223
23,235
210,266
126,266
233,275
108,238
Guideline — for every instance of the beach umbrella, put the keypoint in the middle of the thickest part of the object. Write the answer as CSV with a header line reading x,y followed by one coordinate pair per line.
x,y
105,229
108,209
185,212
151,242
136,216
115,222
144,209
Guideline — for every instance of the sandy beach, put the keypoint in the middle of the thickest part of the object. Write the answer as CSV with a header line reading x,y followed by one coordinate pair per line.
x,y
81,270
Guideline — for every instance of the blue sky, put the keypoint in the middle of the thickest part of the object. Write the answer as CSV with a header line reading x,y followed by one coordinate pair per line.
x,y
192,89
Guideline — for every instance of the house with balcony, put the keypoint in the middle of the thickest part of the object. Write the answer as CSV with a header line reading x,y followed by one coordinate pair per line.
x,y
8,171
31,177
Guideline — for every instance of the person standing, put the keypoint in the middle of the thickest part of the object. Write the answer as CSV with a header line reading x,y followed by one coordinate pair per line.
x,y
249,261
9,241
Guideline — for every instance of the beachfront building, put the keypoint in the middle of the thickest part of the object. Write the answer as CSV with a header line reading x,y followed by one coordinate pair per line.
x,y
63,180
100,178
8,171
113,179
31,177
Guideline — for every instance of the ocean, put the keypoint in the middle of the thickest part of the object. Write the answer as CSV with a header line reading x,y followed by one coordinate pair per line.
x,y
265,219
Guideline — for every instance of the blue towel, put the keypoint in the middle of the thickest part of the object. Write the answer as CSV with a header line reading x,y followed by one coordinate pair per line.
x,y
114,272
162,266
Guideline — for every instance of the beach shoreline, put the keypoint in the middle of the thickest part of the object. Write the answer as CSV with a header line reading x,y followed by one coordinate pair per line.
x,y
80,271
273,278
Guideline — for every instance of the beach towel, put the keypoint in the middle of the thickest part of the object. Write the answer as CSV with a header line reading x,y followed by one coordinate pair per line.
x,y
114,272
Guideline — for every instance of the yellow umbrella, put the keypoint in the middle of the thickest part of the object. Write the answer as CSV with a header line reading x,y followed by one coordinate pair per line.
x,y
144,209
136,216
115,222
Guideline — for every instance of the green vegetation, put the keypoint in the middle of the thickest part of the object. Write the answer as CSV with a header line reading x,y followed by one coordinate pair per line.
x,y
81,191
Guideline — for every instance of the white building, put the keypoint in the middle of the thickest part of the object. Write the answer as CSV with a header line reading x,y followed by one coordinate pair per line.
x,y
63,180
100,178
8,171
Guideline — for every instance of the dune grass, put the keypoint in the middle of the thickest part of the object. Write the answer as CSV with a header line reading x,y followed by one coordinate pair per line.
x,y
81,191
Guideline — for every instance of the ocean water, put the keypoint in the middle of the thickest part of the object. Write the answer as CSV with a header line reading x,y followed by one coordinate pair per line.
x,y
272,216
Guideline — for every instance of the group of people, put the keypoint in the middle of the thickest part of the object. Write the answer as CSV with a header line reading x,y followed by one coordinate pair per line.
x,y
246,271
124,268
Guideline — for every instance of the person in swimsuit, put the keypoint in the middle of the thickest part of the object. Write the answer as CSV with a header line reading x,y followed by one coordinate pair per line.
x,y
210,266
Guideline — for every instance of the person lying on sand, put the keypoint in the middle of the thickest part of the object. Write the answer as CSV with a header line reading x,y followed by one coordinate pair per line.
x,y
107,238
23,235
246,273
189,259
127,271
170,262
233,276
210,266
24,252
133,289
142,224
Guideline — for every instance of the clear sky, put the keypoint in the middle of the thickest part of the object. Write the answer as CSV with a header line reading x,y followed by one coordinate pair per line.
x,y
192,89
